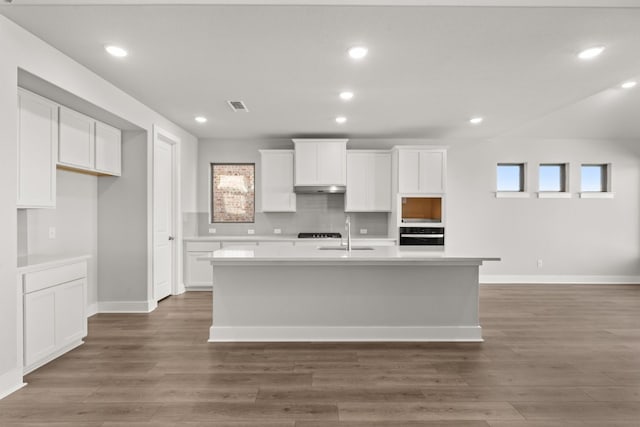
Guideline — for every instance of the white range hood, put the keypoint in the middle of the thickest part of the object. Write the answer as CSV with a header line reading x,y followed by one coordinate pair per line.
x,y
320,166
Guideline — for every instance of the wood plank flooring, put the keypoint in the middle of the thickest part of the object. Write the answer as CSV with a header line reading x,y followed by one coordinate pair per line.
x,y
553,356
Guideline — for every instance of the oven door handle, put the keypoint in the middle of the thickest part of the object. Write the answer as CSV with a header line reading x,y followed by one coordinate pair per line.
x,y
422,236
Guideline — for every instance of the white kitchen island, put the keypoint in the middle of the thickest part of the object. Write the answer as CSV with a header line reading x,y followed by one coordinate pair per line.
x,y
310,294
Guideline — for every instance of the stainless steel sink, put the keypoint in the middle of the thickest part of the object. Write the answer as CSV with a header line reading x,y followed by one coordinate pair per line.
x,y
343,248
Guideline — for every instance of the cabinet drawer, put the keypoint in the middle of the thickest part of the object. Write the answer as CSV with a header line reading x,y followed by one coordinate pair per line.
x,y
53,276
202,246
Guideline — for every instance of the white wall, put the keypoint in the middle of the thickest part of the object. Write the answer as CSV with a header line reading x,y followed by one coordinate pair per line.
x,y
21,49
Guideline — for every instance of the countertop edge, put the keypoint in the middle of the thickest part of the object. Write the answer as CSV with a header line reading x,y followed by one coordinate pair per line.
x,y
46,262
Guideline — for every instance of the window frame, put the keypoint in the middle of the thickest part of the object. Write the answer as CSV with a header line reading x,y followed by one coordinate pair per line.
x,y
524,182
564,192
606,192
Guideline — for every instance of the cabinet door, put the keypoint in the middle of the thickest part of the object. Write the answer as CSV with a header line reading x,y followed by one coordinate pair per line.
x,y
332,163
39,325
70,314
37,151
409,171
198,273
76,139
108,149
380,182
306,163
358,181
432,171
277,181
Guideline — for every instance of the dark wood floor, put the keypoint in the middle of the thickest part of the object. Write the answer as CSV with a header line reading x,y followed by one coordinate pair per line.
x,y
553,356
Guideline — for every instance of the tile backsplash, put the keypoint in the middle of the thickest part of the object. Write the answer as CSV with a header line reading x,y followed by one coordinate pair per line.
x,y
315,213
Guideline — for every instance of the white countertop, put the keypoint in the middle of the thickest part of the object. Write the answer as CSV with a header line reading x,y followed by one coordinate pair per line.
x,y
311,255
276,238
30,263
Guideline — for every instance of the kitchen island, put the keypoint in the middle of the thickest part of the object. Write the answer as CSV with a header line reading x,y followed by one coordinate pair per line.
x,y
312,293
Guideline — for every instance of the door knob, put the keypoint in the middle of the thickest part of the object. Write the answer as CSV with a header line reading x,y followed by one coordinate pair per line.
x,y
171,238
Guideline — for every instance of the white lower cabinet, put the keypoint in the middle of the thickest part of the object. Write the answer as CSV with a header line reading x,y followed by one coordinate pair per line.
x,y
55,318
198,275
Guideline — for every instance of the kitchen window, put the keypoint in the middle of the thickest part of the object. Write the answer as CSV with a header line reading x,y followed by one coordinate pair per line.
x,y
552,180
510,180
595,180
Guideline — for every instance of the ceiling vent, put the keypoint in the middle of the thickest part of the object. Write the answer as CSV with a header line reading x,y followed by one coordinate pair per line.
x,y
238,106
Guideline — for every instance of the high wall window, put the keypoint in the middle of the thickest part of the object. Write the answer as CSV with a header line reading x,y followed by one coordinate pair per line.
x,y
510,177
552,177
594,178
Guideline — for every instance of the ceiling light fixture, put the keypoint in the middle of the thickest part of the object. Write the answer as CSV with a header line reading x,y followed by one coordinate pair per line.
x,y
346,96
201,119
476,120
591,53
341,119
358,52
116,51
628,85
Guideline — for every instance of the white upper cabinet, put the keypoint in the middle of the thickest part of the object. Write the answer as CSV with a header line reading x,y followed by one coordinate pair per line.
x,y
108,149
422,171
88,144
368,181
37,151
277,181
77,140
320,162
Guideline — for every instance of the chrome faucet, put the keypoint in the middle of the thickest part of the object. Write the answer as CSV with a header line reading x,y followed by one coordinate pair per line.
x,y
347,226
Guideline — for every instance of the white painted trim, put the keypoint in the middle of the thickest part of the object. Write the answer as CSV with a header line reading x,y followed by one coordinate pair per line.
x,y
127,306
10,382
92,309
199,288
596,195
338,333
552,195
486,279
512,195
52,356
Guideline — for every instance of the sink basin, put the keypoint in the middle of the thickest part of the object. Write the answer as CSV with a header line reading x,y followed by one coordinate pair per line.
x,y
343,248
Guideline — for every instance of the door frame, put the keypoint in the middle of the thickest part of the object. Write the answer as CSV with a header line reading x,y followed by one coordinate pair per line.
x,y
177,285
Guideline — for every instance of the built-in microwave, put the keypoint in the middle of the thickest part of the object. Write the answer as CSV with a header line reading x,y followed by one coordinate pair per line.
x,y
421,210
421,236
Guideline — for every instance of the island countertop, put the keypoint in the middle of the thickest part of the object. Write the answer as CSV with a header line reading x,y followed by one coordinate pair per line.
x,y
313,255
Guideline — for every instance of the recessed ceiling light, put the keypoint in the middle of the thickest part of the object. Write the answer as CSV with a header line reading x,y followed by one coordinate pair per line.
x,y
358,52
591,53
116,51
476,120
201,119
628,85
341,119
346,95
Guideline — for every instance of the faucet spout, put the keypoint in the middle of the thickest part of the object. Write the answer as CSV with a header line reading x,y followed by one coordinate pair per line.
x,y
347,226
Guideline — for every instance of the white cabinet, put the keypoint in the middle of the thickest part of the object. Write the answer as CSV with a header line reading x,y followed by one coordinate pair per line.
x,y
37,151
277,181
86,144
108,149
77,139
421,170
198,275
320,162
55,319
368,181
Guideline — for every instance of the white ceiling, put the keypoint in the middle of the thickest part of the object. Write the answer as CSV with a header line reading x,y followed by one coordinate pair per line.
x,y
429,69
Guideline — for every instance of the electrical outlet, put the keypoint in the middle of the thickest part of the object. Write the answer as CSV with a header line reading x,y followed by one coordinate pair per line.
x,y
539,263
212,231
251,231
363,231
277,231
52,232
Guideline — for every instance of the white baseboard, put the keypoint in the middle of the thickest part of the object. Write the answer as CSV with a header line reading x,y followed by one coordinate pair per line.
x,y
558,279
181,289
127,306
199,288
52,356
346,333
11,381
92,309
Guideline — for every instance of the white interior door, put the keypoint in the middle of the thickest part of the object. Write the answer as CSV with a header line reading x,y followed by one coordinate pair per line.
x,y
163,219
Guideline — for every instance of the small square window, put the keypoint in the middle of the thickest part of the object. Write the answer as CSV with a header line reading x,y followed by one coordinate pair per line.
x,y
510,177
552,178
594,178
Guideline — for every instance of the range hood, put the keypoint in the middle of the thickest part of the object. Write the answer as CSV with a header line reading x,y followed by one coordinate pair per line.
x,y
320,166
322,189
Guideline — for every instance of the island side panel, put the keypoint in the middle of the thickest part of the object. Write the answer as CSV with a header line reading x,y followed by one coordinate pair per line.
x,y
345,303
